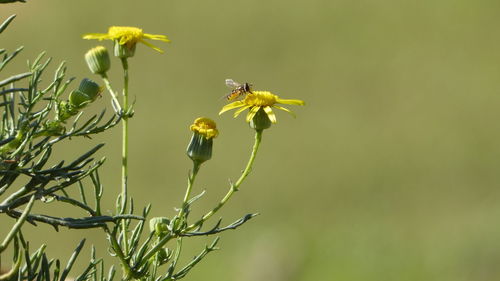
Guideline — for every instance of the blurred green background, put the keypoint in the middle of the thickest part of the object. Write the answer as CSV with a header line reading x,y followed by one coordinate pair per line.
x,y
390,172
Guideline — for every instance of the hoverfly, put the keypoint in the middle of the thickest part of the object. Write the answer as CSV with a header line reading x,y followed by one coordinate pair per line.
x,y
238,89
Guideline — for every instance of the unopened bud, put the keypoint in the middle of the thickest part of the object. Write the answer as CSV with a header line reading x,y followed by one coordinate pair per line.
x,y
86,93
159,225
200,146
98,60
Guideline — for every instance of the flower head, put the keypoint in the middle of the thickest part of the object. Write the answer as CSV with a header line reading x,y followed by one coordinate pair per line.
x,y
98,60
200,146
257,101
205,127
128,37
87,92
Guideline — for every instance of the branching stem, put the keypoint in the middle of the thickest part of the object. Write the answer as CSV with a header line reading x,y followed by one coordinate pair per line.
x,y
234,187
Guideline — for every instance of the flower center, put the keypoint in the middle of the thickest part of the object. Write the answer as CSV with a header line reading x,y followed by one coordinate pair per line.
x,y
125,34
260,98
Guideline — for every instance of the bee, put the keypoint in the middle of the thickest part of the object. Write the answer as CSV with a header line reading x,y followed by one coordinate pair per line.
x,y
238,89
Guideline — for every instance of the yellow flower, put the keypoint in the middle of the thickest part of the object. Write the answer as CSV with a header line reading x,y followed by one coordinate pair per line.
x,y
205,127
200,146
128,36
260,99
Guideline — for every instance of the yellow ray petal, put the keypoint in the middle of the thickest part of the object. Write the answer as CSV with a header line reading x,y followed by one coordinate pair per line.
x,y
163,38
295,102
151,46
237,112
270,114
98,36
284,109
252,113
232,105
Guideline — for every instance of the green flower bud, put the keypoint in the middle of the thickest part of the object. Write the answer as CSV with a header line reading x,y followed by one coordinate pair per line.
x,y
124,50
260,121
90,88
159,225
200,146
98,60
78,99
86,93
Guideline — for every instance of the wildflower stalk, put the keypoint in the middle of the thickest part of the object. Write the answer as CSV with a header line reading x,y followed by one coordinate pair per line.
x,y
155,249
115,102
125,152
127,271
234,187
192,177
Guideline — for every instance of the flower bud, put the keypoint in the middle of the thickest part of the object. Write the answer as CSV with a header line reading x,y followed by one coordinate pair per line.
x,y
260,121
98,60
90,88
200,146
159,225
78,99
123,51
86,93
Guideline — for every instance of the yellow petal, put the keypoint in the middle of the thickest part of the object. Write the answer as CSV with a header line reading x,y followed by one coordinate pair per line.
x,y
156,37
284,109
98,36
252,113
151,46
295,102
123,40
232,105
237,112
270,114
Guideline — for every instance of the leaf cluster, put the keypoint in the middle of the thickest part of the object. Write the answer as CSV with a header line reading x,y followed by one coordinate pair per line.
x,y
30,130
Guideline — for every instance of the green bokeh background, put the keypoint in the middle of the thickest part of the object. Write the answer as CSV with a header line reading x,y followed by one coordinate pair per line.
x,y
390,172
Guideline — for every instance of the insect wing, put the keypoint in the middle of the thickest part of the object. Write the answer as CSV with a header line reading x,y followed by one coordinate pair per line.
x,y
232,84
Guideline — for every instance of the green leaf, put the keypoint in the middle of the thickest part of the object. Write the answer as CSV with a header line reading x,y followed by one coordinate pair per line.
x,y
7,21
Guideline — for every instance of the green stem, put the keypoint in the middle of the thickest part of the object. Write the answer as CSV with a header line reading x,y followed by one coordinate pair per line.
x,y
234,187
192,176
114,102
127,270
125,153
178,250
17,226
155,249
168,237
